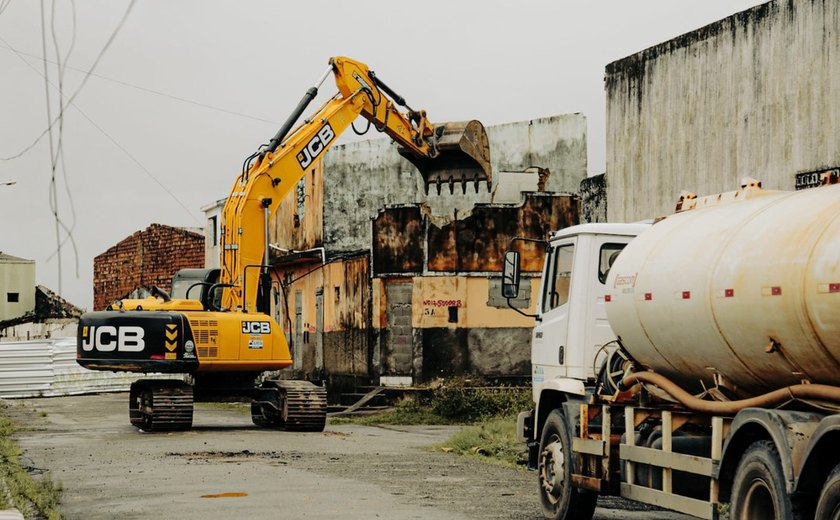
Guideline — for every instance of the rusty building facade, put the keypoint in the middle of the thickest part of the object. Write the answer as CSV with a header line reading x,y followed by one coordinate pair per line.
x,y
752,95
437,304
148,257
366,263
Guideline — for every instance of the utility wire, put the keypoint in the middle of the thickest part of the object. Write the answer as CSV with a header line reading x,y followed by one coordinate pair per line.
x,y
7,46
53,162
153,91
81,86
121,147
58,157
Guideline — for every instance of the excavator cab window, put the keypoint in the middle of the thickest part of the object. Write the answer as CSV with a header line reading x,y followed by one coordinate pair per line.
x,y
195,284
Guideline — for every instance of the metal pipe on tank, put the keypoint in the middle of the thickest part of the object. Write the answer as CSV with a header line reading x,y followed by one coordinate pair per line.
x,y
770,399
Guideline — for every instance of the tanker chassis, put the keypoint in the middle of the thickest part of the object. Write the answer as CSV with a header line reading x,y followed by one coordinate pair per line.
x,y
700,372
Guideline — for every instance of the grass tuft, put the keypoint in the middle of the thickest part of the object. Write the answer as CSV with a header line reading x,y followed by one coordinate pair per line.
x,y
487,413
34,498
493,440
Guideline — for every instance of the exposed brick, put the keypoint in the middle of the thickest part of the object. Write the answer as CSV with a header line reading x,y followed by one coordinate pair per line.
x,y
148,257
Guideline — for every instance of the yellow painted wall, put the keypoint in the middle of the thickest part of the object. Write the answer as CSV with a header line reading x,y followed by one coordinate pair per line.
x,y
344,284
433,295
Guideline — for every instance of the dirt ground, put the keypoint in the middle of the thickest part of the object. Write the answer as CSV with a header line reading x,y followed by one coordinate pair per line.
x,y
226,467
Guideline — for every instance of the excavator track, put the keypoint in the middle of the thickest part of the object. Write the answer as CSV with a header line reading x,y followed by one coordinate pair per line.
x,y
161,405
300,406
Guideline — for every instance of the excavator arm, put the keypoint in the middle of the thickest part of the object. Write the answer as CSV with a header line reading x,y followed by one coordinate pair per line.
x,y
445,154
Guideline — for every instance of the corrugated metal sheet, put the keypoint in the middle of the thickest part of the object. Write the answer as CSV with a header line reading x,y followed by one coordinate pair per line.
x,y
48,368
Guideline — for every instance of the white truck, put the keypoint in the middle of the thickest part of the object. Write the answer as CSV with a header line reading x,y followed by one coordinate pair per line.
x,y
700,372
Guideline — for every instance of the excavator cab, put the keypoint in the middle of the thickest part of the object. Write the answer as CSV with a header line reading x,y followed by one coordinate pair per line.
x,y
463,156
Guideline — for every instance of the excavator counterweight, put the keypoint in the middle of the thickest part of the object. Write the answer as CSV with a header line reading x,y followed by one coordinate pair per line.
x,y
463,156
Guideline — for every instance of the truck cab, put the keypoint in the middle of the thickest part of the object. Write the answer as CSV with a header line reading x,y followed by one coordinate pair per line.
x,y
571,335
572,329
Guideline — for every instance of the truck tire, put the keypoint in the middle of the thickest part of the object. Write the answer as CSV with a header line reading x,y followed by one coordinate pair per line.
x,y
560,501
828,506
758,491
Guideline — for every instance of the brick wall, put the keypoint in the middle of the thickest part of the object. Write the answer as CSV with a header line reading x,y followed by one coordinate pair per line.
x,y
148,257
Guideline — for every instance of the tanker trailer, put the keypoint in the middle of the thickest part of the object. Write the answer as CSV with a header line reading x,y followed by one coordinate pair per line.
x,y
693,363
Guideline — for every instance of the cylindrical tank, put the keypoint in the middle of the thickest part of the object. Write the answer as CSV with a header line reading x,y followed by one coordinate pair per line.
x,y
743,293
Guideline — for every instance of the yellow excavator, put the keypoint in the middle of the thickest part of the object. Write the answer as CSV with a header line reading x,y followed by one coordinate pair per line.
x,y
215,325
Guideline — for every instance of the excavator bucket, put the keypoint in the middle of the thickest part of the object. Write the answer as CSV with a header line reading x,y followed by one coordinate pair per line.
x,y
463,157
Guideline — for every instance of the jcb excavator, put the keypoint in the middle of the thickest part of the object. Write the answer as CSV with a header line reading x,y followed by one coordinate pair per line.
x,y
215,326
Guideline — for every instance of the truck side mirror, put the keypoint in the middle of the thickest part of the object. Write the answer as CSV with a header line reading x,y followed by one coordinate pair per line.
x,y
510,275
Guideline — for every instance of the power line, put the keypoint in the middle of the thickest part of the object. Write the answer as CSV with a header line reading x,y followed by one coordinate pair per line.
x,y
90,72
57,156
81,86
53,162
122,148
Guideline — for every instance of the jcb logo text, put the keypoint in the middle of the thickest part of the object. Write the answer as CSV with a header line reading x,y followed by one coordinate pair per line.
x,y
256,327
315,146
106,338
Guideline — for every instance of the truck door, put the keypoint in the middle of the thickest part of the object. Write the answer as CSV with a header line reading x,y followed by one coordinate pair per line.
x,y
549,345
605,249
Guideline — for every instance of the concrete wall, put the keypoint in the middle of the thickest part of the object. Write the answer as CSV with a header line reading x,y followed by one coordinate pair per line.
x,y
593,199
17,286
148,257
360,178
755,94
46,329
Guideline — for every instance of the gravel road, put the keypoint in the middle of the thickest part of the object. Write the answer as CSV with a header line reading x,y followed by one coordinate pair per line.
x,y
225,467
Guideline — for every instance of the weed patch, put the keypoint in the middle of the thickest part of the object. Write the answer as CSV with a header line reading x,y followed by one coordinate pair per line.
x,y
493,440
34,498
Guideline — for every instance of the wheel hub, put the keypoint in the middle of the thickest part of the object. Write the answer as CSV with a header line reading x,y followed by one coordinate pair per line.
x,y
758,502
552,468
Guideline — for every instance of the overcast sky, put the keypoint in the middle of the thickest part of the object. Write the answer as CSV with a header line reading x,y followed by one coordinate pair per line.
x,y
136,155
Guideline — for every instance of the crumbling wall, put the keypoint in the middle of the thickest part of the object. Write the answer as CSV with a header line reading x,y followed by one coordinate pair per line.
x,y
362,177
406,240
148,257
752,95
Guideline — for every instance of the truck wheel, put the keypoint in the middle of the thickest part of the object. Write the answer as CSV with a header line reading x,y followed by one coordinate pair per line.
x,y
828,507
758,491
560,501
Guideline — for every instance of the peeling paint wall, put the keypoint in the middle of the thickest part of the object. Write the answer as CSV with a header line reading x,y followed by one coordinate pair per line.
x,y
455,330
336,342
360,178
755,94
298,222
407,240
